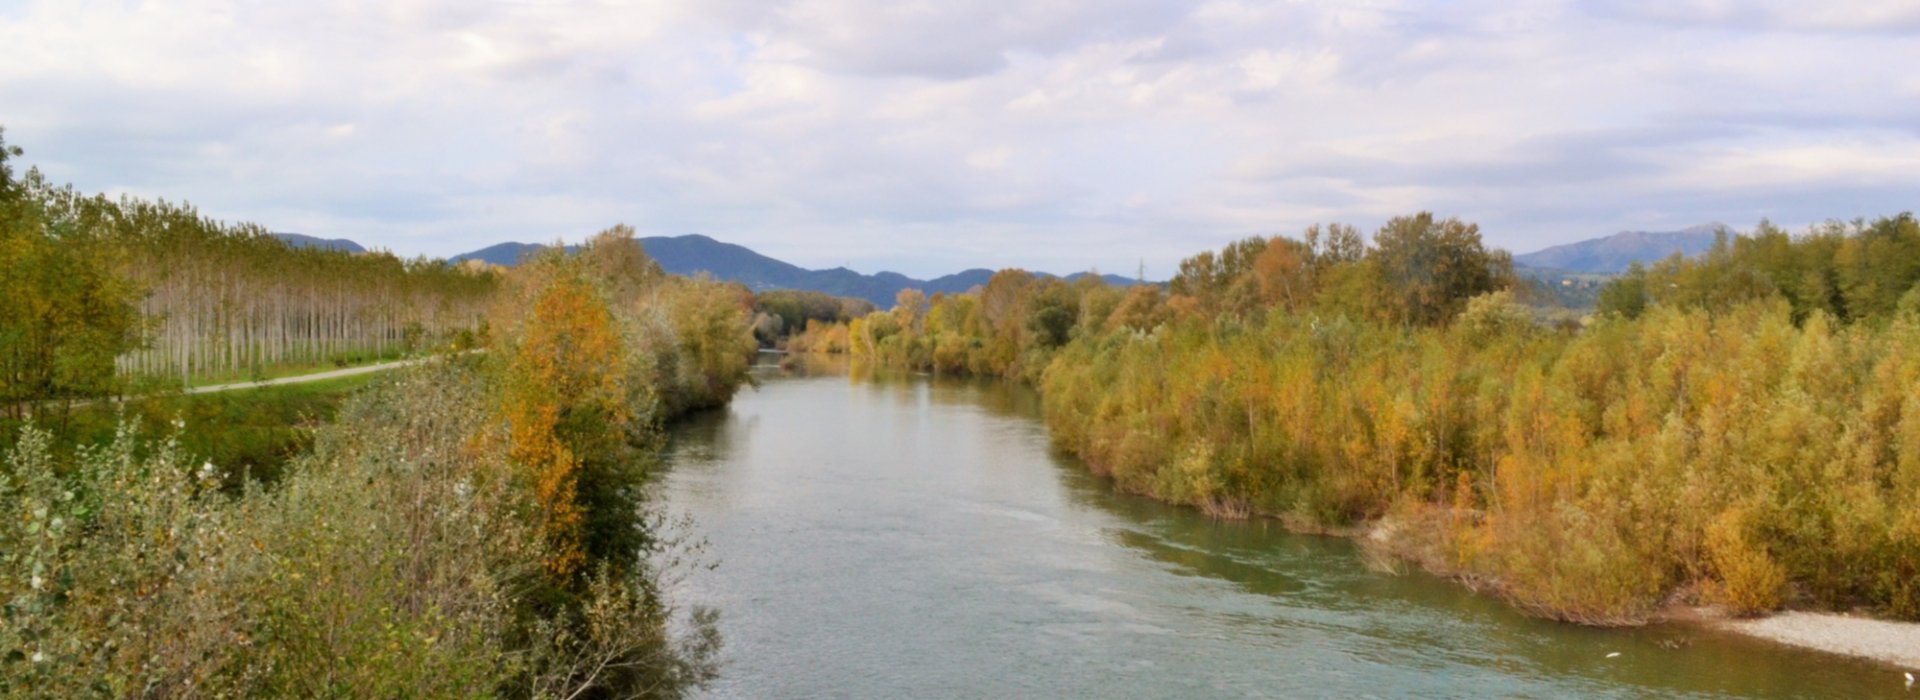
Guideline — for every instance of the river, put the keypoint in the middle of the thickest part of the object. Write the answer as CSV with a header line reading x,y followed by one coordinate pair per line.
x,y
911,537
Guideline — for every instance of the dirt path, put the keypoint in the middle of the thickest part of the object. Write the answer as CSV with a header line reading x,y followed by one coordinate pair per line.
x,y
301,379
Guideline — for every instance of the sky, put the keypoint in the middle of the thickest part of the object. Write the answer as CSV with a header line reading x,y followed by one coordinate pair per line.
x,y
926,137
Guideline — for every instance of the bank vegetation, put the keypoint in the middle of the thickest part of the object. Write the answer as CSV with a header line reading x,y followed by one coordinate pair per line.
x,y
1740,429
470,527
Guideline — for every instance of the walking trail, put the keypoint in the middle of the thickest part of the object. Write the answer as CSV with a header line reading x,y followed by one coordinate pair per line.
x,y
301,379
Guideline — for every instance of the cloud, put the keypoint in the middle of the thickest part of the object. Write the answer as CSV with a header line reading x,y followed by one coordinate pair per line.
x,y
929,137
941,40
1872,16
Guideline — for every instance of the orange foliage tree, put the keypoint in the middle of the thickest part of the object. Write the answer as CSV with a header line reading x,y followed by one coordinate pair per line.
x,y
563,396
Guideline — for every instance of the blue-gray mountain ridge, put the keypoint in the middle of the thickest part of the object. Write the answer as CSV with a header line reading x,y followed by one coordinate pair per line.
x,y
304,241
1611,255
694,253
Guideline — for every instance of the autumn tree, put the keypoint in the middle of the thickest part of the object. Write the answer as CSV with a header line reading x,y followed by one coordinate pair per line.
x,y
1220,282
1003,305
616,259
1282,274
713,322
1141,309
563,396
910,310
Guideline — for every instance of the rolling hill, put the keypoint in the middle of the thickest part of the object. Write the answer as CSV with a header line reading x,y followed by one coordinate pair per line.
x,y
693,254
303,241
1570,268
1612,254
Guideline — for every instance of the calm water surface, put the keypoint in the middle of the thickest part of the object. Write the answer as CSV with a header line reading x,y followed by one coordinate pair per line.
x,y
910,537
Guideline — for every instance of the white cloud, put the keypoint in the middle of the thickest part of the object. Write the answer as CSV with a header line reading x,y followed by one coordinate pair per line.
x,y
928,137
1895,16
990,158
1267,70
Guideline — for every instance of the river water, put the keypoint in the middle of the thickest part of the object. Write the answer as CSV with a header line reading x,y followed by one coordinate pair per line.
x,y
911,537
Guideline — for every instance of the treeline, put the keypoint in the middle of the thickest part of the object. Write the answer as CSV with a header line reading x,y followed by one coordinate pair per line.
x,y
1847,271
1749,449
781,313
471,528
153,289
1418,270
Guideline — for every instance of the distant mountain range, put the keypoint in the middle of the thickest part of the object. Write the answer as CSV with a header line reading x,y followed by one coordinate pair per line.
x,y
504,254
1611,255
692,254
302,241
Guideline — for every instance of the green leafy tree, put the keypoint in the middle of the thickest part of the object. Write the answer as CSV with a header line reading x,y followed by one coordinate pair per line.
x,y
67,313
1052,314
1624,296
6,171
1432,267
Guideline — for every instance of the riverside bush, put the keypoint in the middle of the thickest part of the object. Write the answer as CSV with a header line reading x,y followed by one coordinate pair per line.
x,y
1743,440
1749,580
468,528
395,560
1600,461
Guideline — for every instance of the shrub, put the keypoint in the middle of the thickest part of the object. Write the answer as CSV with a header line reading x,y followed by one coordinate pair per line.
x,y
398,559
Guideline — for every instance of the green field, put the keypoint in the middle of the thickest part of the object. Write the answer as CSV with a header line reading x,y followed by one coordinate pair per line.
x,y
245,433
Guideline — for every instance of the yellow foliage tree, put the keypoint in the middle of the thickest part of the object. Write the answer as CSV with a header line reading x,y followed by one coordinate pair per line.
x,y
563,396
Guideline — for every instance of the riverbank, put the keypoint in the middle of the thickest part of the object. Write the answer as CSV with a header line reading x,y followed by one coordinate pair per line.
x,y
900,521
1414,539
1389,543
1893,643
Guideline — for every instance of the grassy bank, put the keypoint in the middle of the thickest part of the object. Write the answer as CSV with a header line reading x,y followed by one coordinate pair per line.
x,y
248,433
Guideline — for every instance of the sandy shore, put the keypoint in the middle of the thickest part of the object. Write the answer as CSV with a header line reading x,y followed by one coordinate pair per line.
x,y
1893,643
1896,643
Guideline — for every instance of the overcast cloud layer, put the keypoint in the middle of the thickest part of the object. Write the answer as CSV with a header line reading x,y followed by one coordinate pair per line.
x,y
926,137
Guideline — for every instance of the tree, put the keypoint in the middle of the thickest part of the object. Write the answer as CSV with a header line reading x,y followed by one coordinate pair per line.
x,y
713,323
66,314
1282,275
564,398
1003,305
796,308
618,260
910,310
6,153
1335,244
1051,315
1141,309
1624,296
1433,266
